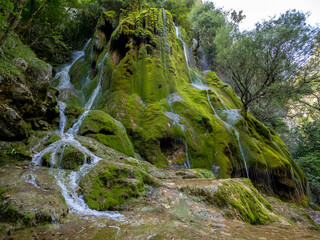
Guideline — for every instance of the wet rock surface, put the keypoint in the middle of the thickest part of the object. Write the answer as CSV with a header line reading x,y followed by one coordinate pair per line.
x,y
30,198
165,212
181,205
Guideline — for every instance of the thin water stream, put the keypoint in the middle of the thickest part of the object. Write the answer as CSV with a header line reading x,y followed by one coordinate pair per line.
x,y
199,83
176,119
69,181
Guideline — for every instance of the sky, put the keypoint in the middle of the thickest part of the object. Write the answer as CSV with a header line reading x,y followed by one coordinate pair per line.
x,y
257,10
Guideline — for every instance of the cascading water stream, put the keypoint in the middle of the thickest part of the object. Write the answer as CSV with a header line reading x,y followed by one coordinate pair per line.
x,y
196,78
63,75
199,83
176,118
236,133
69,183
164,29
183,43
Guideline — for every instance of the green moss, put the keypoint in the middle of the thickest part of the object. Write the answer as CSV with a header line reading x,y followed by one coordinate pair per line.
x,y
250,205
113,186
45,160
14,153
204,173
224,92
72,158
13,48
144,66
105,129
53,138
9,214
72,98
72,113
137,163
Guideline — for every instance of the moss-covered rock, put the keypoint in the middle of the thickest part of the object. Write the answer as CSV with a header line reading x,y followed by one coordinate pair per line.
x,y
72,113
14,153
238,199
25,100
72,158
204,173
293,213
102,127
29,199
109,185
148,85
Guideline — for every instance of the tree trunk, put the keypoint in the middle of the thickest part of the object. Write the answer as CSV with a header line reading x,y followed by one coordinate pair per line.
x,y
244,112
31,18
13,21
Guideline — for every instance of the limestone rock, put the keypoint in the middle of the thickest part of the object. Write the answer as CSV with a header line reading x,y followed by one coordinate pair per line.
x,y
21,63
12,126
30,198
110,184
102,127
24,90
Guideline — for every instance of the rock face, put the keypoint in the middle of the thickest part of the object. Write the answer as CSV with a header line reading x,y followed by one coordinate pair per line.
x,y
158,203
29,200
173,115
100,126
150,102
25,100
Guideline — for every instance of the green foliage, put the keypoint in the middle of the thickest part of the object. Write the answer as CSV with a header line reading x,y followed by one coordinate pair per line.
x,y
44,33
265,62
309,137
206,21
310,164
81,24
51,28
180,11
307,152
6,7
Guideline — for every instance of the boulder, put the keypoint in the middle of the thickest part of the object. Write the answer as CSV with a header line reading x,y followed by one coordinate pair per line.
x,y
25,85
102,127
109,185
30,198
12,125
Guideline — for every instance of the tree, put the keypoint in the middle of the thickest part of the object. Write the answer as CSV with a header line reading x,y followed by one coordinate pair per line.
x,y
48,27
206,21
268,61
10,13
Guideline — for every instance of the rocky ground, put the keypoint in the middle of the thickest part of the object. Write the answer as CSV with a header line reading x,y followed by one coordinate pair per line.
x,y
173,204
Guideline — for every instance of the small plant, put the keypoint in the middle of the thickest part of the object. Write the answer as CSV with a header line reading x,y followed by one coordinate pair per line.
x,y
11,151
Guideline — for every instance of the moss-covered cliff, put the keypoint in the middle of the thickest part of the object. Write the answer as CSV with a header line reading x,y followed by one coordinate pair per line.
x,y
26,100
147,82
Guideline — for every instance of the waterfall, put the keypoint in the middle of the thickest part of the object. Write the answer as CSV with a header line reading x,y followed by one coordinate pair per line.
x,y
187,163
164,29
63,119
63,75
197,80
176,118
203,62
199,83
183,43
69,184
229,125
101,69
